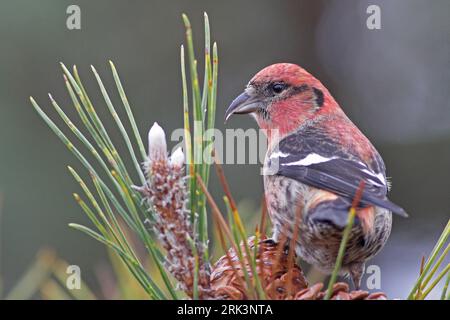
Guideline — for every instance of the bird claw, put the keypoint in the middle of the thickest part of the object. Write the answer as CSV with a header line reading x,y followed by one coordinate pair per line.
x,y
268,241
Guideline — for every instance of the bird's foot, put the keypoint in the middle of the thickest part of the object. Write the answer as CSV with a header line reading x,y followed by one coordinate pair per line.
x,y
269,241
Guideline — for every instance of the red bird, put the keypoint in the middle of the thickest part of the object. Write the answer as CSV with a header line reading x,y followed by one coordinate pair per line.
x,y
317,159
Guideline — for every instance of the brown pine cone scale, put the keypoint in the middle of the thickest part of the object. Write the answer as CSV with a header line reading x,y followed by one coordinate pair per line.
x,y
280,278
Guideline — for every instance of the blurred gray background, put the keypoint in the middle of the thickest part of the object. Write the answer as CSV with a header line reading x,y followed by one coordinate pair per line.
x,y
393,83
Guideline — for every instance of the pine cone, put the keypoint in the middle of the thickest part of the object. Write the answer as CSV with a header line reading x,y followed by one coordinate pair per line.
x,y
340,292
228,282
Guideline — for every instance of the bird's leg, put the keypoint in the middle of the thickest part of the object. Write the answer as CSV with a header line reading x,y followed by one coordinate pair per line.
x,y
356,273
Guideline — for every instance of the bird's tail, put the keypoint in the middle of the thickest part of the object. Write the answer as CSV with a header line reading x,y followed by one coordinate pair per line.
x,y
387,204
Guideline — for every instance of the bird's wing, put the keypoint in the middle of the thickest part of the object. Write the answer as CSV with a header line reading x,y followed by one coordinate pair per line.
x,y
320,163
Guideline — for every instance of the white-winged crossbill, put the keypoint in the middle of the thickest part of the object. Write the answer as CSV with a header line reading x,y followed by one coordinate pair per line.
x,y
321,159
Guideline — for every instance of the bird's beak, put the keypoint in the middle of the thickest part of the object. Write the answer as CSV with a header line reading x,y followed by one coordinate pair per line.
x,y
244,103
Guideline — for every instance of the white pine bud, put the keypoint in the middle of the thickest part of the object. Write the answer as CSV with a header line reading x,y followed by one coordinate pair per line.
x,y
177,157
157,147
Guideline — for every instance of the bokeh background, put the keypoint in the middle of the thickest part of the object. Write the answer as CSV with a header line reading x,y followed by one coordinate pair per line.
x,y
393,82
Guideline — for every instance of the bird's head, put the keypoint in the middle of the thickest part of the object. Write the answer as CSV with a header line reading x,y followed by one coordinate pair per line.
x,y
282,97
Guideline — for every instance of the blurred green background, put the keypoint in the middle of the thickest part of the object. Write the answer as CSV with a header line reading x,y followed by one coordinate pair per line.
x,y
393,83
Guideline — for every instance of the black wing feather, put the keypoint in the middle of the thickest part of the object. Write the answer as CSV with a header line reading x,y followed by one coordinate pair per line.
x,y
337,183
342,173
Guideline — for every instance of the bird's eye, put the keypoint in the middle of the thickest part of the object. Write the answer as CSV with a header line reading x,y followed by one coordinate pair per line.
x,y
278,87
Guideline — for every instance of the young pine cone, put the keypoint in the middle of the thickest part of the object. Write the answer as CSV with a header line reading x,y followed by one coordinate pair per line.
x,y
167,195
228,282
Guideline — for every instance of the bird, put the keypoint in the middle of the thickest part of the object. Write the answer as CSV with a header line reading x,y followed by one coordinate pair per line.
x,y
316,161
